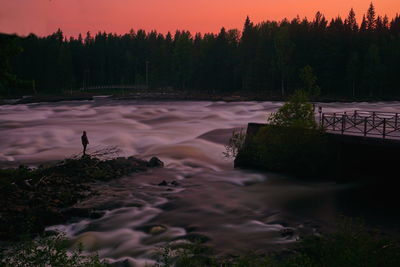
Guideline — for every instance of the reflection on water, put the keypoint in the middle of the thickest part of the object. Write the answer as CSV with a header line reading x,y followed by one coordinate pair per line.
x,y
235,210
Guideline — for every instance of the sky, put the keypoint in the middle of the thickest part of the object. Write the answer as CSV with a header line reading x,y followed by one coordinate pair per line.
x,y
43,17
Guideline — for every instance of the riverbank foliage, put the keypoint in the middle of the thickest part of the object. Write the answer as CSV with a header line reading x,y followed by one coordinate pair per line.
x,y
351,58
47,251
31,199
291,142
351,245
235,143
305,153
297,112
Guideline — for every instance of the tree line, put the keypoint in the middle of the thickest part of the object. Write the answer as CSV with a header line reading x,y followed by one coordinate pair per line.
x,y
340,57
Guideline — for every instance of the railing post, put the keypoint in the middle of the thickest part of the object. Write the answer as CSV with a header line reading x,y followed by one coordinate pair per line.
x,y
373,119
396,120
384,128
343,122
355,118
334,121
320,112
322,122
365,126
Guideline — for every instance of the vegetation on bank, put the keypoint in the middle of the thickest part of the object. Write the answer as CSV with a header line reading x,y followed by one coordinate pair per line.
x,y
351,245
350,58
298,112
306,153
291,142
51,251
31,199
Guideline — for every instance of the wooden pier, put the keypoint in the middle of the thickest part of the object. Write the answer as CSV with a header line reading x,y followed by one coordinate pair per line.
x,y
362,123
362,146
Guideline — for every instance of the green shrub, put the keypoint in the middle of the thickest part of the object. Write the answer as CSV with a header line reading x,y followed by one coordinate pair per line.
x,y
50,251
290,143
303,152
297,112
352,245
235,143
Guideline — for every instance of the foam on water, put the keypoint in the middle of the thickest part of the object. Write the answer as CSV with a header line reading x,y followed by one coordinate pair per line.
x,y
48,131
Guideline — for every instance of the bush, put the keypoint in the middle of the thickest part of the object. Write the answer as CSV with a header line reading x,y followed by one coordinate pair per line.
x,y
351,245
297,112
307,153
235,143
50,251
291,142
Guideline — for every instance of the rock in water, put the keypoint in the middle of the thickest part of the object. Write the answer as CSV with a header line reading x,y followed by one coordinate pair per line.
x,y
175,183
157,230
155,162
163,183
286,232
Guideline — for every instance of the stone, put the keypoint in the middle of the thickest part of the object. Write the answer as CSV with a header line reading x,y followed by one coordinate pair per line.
x,y
175,183
286,232
163,183
96,214
155,162
155,230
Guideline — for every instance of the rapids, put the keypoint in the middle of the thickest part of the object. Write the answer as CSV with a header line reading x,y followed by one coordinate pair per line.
x,y
236,211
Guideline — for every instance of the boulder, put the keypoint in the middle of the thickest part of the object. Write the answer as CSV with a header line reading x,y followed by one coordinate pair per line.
x,y
286,232
152,229
155,162
155,230
163,183
175,183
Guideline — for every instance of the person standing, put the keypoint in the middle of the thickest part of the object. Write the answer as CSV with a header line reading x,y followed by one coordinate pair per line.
x,y
85,142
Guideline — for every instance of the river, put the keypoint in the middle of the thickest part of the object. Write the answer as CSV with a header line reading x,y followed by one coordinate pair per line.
x,y
236,211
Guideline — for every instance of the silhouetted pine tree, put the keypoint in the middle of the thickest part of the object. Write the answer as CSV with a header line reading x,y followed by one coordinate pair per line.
x,y
347,58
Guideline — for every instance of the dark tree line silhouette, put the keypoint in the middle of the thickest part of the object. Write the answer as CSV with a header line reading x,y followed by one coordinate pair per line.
x,y
346,57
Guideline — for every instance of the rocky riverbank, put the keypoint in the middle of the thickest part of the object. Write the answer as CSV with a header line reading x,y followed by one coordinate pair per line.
x,y
31,199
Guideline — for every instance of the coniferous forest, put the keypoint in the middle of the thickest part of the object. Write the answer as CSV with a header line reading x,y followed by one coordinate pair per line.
x,y
346,57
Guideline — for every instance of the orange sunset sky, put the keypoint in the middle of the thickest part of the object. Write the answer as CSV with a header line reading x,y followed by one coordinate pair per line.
x,y
43,17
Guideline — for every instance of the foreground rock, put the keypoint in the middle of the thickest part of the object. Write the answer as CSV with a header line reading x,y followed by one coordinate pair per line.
x,y
155,162
31,199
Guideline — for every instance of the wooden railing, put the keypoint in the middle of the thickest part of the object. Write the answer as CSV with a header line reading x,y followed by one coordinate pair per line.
x,y
366,123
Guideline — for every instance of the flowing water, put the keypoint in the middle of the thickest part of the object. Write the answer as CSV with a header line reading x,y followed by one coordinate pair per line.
x,y
236,211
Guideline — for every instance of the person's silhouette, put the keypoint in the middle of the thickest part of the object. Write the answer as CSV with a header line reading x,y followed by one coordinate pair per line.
x,y
85,142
